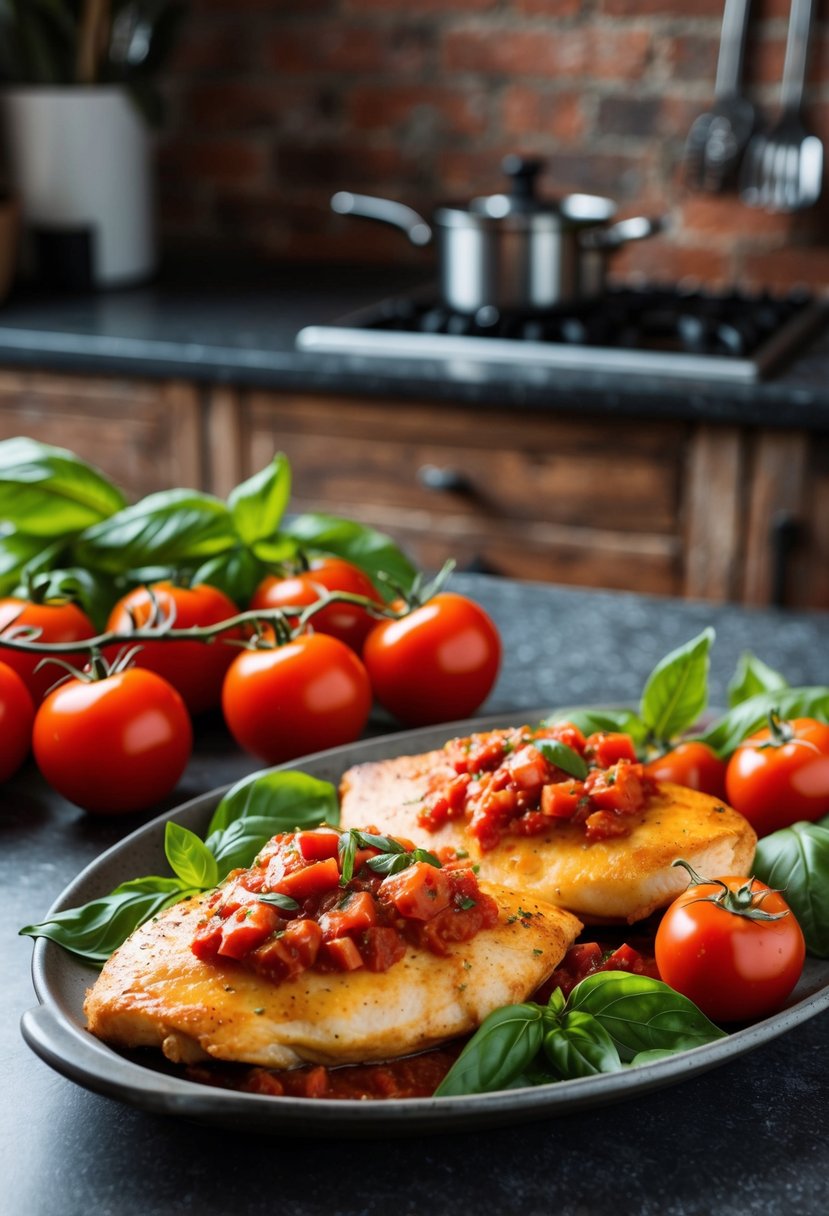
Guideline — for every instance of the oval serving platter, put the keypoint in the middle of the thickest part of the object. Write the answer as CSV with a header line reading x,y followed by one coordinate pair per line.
x,y
55,1029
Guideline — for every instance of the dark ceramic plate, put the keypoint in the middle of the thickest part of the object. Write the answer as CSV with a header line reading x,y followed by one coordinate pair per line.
x,y
55,1028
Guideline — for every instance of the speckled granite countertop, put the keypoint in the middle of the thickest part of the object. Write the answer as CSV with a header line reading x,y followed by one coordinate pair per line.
x,y
752,1136
238,325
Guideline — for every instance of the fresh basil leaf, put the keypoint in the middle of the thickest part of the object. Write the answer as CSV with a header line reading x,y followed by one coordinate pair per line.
x,y
237,573
676,691
237,845
16,551
288,799
589,720
386,844
189,857
649,1057
729,730
579,1046
279,901
170,527
372,551
50,492
563,757
752,676
258,504
642,1014
390,863
95,929
347,847
503,1047
795,861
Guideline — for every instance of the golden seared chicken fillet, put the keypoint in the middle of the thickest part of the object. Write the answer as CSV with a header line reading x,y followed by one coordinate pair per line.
x,y
331,949
597,837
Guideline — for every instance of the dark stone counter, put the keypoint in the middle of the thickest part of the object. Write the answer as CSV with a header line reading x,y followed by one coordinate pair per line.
x,y
752,1135
216,323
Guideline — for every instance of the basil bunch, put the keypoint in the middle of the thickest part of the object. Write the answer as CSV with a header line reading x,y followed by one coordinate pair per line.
x,y
611,1020
252,811
64,520
795,861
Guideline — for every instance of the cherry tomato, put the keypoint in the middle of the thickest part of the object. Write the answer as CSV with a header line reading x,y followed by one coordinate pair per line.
x,y
693,765
115,744
734,967
17,713
781,775
437,663
58,622
195,669
348,622
306,695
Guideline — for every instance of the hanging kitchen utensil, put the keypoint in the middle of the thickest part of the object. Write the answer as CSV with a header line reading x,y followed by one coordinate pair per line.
x,y
783,169
515,252
718,138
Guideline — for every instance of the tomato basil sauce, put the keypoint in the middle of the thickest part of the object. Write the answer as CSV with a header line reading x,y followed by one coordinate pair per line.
x,y
338,901
523,780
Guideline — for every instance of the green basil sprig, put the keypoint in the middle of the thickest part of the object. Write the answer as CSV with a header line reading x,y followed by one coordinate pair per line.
x,y
392,858
252,811
610,1020
752,676
749,716
795,861
563,757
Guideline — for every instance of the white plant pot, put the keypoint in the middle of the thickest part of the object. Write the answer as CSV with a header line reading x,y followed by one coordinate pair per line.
x,y
80,160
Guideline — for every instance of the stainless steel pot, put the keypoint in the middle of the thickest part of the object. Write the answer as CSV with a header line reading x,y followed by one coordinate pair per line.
x,y
514,251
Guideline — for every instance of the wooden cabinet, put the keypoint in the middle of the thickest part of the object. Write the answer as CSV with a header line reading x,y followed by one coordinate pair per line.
x,y
666,507
143,434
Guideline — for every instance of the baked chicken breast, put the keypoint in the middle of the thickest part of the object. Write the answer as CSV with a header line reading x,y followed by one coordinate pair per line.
x,y
156,992
607,878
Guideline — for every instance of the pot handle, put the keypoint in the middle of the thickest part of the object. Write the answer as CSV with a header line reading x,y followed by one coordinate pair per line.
x,y
637,228
396,214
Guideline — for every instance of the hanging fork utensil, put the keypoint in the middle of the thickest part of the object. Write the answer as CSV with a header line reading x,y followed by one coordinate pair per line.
x,y
718,138
783,168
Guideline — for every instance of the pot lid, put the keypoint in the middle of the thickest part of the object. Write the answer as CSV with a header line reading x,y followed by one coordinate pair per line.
x,y
521,206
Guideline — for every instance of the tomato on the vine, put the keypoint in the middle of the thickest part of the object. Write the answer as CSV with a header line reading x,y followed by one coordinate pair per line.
x,y
113,744
732,946
56,621
17,713
437,663
348,622
196,669
780,775
692,764
305,695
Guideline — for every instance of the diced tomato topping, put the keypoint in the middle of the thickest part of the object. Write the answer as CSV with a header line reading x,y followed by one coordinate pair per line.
x,y
620,788
319,876
602,825
318,845
560,800
344,954
566,733
419,892
607,747
247,928
589,957
470,912
381,947
289,952
355,911
528,768
208,939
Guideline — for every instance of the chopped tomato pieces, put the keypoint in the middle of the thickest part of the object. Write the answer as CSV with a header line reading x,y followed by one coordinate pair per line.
x,y
528,768
317,845
381,947
561,800
355,911
319,876
606,747
343,953
620,788
247,928
418,892
290,952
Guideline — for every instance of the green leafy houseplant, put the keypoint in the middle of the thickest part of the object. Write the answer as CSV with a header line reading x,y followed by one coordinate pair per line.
x,y
88,42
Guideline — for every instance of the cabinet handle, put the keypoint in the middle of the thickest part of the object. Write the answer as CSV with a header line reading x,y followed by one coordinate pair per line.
x,y
444,479
785,535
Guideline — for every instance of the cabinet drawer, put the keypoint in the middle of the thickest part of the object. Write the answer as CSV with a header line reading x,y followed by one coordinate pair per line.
x,y
608,474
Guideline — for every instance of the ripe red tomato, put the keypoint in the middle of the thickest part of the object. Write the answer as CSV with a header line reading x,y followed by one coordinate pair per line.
x,y
734,967
437,663
781,775
58,622
17,713
284,701
693,765
348,622
115,744
195,669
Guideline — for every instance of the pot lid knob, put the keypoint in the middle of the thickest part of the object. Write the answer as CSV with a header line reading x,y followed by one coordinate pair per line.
x,y
522,172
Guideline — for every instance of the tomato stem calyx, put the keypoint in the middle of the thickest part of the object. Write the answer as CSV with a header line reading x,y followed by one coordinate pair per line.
x,y
746,901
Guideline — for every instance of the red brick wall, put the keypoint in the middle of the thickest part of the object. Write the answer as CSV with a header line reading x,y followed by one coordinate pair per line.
x,y
274,104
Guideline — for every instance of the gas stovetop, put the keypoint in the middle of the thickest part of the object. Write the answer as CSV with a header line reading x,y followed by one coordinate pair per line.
x,y
648,331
